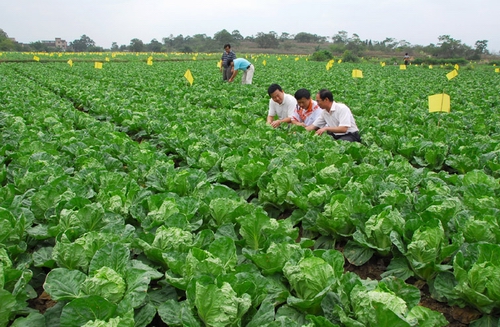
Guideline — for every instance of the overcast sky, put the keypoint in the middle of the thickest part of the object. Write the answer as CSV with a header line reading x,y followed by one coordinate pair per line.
x,y
108,21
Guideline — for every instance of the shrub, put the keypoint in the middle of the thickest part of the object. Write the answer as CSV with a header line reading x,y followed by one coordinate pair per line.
x,y
321,55
348,56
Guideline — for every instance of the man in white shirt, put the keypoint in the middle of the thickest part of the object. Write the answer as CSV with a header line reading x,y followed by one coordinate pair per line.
x,y
281,105
336,119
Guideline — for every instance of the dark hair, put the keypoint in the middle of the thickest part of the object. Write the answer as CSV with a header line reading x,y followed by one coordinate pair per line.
x,y
229,61
274,87
302,94
325,94
227,45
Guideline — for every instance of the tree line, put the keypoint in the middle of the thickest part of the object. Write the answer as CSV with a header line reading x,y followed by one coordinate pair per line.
x,y
339,43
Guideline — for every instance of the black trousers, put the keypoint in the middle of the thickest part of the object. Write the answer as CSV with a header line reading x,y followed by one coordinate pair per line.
x,y
351,137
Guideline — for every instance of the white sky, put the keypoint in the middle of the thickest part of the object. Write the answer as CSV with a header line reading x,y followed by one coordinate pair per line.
x,y
108,21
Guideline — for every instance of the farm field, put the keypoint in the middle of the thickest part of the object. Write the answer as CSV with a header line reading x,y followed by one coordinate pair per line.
x,y
131,198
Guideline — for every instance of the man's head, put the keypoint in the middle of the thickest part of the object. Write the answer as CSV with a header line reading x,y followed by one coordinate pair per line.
x,y
303,97
227,47
276,93
324,99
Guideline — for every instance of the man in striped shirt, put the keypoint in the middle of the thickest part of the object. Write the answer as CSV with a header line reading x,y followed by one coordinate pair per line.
x,y
224,68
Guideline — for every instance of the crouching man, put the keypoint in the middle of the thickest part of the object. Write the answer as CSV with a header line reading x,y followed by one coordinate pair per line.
x,y
336,119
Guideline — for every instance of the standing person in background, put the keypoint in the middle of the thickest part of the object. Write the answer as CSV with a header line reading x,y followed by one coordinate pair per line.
x,y
336,119
281,105
224,68
406,59
307,110
243,65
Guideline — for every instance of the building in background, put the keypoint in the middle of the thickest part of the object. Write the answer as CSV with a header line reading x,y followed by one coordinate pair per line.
x,y
57,43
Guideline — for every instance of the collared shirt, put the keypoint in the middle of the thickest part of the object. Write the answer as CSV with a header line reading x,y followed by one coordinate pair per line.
x,y
339,115
283,110
226,56
241,64
307,116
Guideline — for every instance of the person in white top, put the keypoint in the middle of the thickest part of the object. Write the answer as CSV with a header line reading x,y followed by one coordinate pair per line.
x,y
307,109
336,119
281,105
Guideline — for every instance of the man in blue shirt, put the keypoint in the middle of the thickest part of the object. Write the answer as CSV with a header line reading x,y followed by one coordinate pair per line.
x,y
243,65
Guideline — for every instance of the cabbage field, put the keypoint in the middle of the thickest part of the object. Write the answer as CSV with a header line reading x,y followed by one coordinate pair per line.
x,y
129,197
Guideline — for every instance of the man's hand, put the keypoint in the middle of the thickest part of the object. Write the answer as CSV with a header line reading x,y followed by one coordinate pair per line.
x,y
320,131
275,123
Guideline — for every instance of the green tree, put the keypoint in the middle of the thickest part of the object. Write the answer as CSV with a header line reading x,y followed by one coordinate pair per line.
x,y
85,43
39,46
6,44
481,47
114,46
285,36
155,46
303,37
178,42
340,38
267,41
136,45
355,45
237,37
451,48
223,37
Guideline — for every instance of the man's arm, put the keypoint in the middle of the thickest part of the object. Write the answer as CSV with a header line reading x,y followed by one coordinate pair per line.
x,y
296,122
276,123
235,72
338,129
311,127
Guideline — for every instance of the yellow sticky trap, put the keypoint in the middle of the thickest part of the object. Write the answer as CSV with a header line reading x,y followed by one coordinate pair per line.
x,y
457,67
402,67
340,61
430,66
98,65
279,58
497,70
297,58
70,63
219,64
107,59
189,77
439,103
36,58
264,62
382,64
452,74
150,62
329,64
356,73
